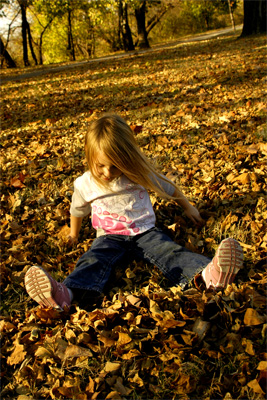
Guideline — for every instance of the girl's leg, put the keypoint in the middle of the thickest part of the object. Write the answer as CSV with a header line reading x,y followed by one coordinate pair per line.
x,y
90,276
93,269
177,263
181,266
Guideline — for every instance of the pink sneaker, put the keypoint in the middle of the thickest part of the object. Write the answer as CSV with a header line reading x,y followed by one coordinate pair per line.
x,y
224,266
42,288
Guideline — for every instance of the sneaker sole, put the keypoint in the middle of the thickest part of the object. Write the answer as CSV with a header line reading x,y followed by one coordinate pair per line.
x,y
39,287
229,260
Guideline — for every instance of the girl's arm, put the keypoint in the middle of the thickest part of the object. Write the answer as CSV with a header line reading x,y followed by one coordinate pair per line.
x,y
75,227
189,210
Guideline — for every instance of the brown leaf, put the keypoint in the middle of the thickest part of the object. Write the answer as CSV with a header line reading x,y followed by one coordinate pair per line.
x,y
201,327
262,379
6,326
17,182
64,232
137,128
77,351
123,390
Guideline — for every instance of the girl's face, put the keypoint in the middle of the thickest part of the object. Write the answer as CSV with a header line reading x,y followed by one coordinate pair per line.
x,y
105,170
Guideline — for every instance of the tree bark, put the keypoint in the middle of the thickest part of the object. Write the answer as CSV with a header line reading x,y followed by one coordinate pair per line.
x,y
70,47
41,41
231,14
24,34
140,15
254,17
30,43
4,53
127,39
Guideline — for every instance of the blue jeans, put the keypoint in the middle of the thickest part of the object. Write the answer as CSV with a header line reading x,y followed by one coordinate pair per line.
x,y
93,269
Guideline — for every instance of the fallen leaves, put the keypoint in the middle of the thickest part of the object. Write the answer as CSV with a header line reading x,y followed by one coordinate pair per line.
x,y
171,329
202,120
253,318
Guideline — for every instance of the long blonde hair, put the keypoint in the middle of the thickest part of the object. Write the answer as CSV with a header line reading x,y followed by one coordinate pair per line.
x,y
111,135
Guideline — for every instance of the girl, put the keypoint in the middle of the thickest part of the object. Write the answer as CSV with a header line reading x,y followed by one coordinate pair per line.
x,y
114,191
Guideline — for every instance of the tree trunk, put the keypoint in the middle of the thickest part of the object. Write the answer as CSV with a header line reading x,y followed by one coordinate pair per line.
x,y
4,53
24,35
41,40
231,14
254,17
70,47
140,15
30,44
127,39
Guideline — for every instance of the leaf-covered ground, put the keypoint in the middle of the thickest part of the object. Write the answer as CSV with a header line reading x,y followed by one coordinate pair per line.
x,y
199,111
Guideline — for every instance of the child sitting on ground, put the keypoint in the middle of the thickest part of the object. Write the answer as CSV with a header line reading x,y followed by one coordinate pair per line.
x,y
114,191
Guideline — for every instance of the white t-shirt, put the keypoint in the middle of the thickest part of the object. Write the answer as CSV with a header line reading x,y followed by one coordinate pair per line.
x,y
124,208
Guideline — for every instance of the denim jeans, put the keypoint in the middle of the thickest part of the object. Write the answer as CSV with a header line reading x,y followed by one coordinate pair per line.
x,y
93,269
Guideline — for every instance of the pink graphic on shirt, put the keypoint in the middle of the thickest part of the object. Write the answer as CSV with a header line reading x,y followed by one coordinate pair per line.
x,y
119,215
111,224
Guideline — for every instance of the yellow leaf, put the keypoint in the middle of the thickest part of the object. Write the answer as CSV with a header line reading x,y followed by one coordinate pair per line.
x,y
254,385
42,352
155,309
112,366
136,379
124,338
243,178
131,354
248,346
135,301
262,366
108,342
17,355
114,395
252,317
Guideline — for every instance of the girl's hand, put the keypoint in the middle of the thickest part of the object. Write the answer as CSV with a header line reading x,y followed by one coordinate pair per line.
x,y
72,240
193,213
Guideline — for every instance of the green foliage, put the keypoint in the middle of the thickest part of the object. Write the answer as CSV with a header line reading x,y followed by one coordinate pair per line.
x,y
54,46
95,24
191,16
201,14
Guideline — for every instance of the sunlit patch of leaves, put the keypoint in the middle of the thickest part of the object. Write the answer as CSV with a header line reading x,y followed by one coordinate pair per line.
x,y
199,111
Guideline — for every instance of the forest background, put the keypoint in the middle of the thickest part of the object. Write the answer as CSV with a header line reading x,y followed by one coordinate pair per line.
x,y
198,109
40,32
